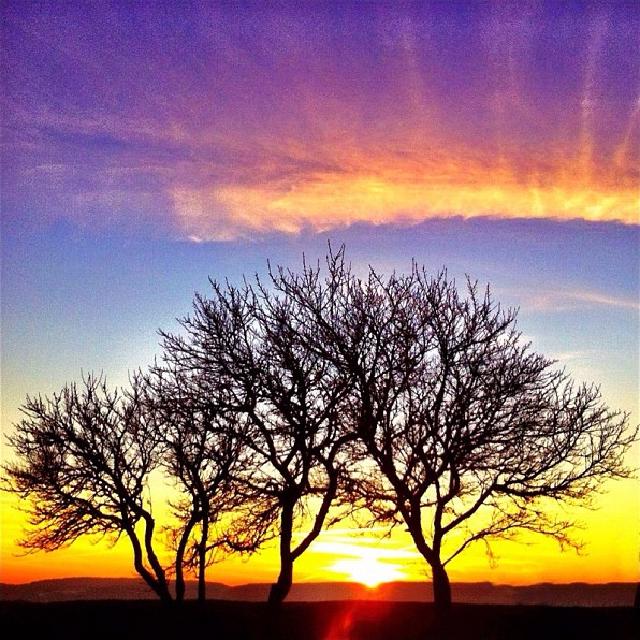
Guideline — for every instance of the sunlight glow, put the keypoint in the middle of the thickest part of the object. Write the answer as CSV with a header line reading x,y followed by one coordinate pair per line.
x,y
382,188
368,570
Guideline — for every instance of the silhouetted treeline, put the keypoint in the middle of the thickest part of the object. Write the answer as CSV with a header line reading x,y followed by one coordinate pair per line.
x,y
287,404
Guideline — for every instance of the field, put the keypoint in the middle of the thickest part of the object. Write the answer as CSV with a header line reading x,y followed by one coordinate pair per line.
x,y
355,620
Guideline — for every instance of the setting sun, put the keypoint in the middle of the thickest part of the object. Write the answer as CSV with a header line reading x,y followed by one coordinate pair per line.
x,y
368,570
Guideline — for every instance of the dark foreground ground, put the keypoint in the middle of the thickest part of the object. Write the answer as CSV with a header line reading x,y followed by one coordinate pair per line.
x,y
313,621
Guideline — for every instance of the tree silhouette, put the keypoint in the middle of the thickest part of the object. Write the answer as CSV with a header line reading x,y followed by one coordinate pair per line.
x,y
84,460
473,435
281,407
202,446
247,342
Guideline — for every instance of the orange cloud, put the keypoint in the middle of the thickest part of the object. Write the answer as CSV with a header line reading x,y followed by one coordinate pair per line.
x,y
382,186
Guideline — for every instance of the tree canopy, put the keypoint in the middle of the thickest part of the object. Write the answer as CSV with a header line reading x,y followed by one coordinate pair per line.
x,y
283,405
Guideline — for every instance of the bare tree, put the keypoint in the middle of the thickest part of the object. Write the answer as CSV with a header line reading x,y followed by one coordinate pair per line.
x,y
401,396
84,460
472,434
203,446
247,342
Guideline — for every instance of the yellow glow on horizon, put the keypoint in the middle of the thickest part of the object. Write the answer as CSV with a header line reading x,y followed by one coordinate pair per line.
x,y
368,570
349,554
345,553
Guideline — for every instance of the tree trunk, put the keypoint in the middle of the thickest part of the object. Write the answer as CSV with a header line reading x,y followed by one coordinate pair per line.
x,y
282,586
152,558
440,579
180,586
441,589
280,589
202,560
180,551
159,588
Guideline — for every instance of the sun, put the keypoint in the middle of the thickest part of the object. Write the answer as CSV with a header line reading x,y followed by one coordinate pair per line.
x,y
368,570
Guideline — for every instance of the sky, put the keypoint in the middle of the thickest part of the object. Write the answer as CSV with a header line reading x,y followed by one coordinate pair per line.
x,y
149,145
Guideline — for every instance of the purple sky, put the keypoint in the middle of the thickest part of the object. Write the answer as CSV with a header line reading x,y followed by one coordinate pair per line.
x,y
218,121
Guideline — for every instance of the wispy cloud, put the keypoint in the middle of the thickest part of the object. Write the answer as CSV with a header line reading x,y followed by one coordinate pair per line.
x,y
392,188
283,121
565,300
364,542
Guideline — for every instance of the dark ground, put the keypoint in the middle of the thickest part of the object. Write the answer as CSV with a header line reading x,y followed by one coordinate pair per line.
x,y
313,621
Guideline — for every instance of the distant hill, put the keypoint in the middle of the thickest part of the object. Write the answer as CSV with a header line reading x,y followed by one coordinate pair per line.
x,y
574,594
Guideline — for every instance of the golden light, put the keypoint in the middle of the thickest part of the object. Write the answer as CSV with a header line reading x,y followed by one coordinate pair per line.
x,y
381,187
368,569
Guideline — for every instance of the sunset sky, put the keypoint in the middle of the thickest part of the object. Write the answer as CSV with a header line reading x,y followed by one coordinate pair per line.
x,y
147,146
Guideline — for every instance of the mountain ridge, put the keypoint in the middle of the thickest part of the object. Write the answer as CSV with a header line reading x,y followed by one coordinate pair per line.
x,y
544,593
